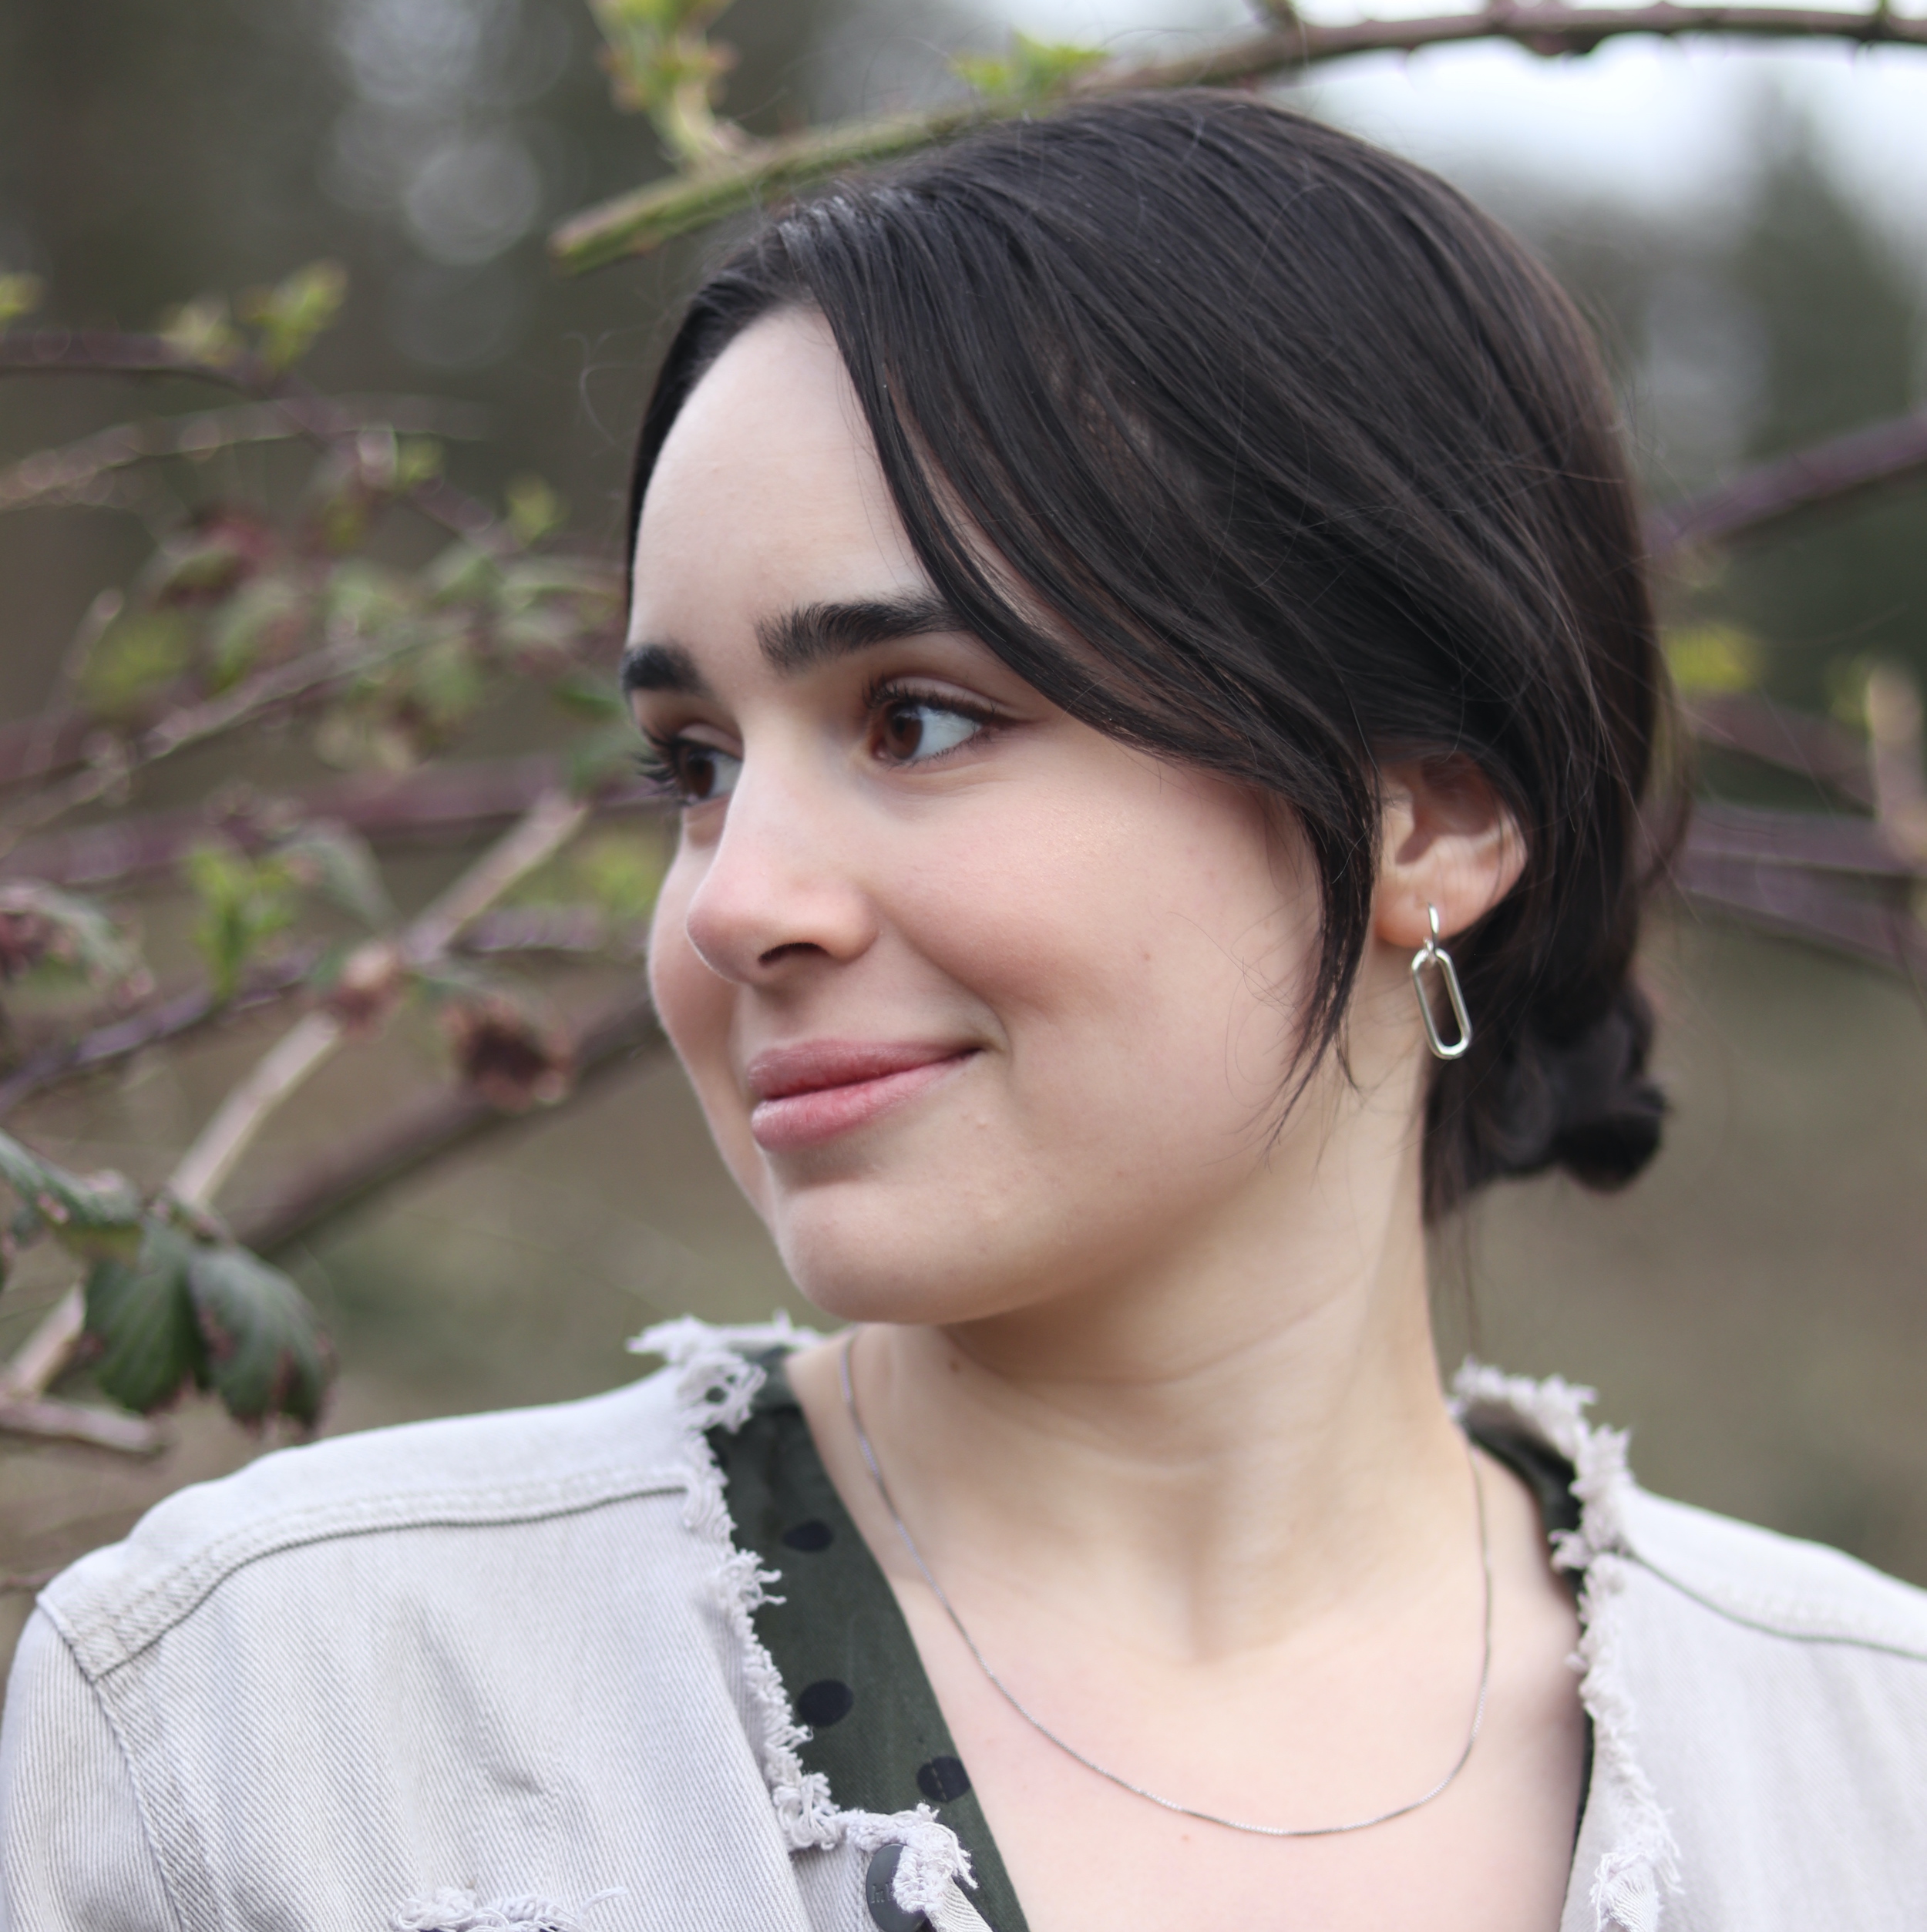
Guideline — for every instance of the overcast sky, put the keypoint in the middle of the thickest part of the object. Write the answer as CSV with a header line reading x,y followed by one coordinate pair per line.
x,y
1640,120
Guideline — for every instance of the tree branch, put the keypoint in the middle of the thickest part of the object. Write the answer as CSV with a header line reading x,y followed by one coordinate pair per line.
x,y
73,1422
374,1156
328,423
439,804
1813,748
302,677
166,1021
1839,471
551,822
635,222
1806,905
64,475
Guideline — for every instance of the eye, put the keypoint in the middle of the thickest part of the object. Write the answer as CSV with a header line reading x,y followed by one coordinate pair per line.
x,y
912,729
691,772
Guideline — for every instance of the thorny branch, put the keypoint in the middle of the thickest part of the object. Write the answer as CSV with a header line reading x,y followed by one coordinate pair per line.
x,y
320,418
68,474
548,824
635,222
266,690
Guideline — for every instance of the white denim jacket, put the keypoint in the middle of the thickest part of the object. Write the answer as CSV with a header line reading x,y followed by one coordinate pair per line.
x,y
499,1675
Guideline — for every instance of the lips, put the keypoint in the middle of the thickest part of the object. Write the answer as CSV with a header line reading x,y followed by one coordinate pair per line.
x,y
812,1092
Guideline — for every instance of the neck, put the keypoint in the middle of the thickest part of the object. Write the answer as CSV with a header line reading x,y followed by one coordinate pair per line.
x,y
1229,1440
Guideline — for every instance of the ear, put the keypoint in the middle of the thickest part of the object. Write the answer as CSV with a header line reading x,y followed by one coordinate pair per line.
x,y
1446,840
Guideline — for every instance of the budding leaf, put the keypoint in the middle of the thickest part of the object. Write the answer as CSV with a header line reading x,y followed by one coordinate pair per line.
x,y
534,509
96,1216
244,902
270,613
265,1354
201,331
135,659
1034,70
142,1336
292,314
20,294
340,865
24,1173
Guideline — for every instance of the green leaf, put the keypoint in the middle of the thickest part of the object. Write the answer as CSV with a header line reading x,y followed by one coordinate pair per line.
x,y
463,570
244,902
622,873
338,863
593,700
20,294
369,597
1034,70
60,936
142,1339
535,509
292,314
265,1353
417,460
26,1173
270,611
202,331
1713,657
134,660
95,1216
91,1215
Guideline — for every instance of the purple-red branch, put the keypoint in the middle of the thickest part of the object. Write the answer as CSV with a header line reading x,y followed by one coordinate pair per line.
x,y
1825,475
113,352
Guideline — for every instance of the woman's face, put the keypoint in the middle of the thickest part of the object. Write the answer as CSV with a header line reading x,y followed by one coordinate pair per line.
x,y
983,1007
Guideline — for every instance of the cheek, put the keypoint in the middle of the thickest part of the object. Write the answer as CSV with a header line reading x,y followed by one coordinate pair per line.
x,y
1143,964
696,1007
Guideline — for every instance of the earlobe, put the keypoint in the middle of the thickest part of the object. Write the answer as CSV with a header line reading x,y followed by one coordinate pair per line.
x,y
1448,843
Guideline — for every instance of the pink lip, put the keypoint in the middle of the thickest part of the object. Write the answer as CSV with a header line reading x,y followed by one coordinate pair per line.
x,y
811,1093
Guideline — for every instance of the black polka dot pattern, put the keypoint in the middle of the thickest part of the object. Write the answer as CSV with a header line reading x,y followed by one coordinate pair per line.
x,y
943,1779
825,1702
813,1535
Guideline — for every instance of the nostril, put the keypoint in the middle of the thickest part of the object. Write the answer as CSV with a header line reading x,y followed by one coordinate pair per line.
x,y
794,948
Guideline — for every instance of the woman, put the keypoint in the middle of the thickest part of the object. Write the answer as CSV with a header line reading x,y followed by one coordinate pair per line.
x,y
1141,615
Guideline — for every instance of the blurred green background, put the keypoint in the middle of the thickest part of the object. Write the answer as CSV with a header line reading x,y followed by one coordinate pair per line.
x,y
1752,1310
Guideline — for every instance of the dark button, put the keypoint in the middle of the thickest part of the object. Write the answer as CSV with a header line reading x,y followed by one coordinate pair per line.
x,y
879,1894
812,1535
942,1779
825,1702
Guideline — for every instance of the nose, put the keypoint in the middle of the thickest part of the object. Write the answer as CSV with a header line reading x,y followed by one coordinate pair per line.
x,y
779,889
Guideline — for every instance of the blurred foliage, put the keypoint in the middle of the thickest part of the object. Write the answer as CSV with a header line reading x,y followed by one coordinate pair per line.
x,y
1739,334
1033,70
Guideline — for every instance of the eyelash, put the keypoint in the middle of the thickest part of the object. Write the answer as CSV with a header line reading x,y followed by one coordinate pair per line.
x,y
886,691
657,764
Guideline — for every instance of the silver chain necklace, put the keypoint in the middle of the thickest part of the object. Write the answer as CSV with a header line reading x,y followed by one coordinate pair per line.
x,y
1071,1750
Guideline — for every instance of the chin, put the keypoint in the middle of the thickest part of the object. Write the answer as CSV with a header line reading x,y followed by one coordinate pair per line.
x,y
905,1260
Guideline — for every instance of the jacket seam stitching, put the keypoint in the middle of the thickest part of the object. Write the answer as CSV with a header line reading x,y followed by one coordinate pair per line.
x,y
77,1632
150,1837
1850,1640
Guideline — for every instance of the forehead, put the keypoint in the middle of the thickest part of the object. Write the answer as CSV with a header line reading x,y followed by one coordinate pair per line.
x,y
768,493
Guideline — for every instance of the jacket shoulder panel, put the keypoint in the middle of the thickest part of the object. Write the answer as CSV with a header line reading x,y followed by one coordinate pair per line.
x,y
515,1465
1774,1583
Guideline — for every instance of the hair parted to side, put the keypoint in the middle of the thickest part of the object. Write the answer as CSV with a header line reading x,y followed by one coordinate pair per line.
x,y
1318,469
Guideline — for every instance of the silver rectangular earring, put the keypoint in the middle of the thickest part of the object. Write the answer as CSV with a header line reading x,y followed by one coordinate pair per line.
x,y
1432,953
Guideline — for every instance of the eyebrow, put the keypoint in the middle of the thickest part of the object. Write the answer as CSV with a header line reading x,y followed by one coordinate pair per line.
x,y
812,634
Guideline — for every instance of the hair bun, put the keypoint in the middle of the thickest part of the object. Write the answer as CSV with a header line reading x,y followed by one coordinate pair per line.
x,y
1587,1103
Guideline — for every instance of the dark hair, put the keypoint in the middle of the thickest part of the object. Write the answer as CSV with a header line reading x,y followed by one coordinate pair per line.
x,y
1321,469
